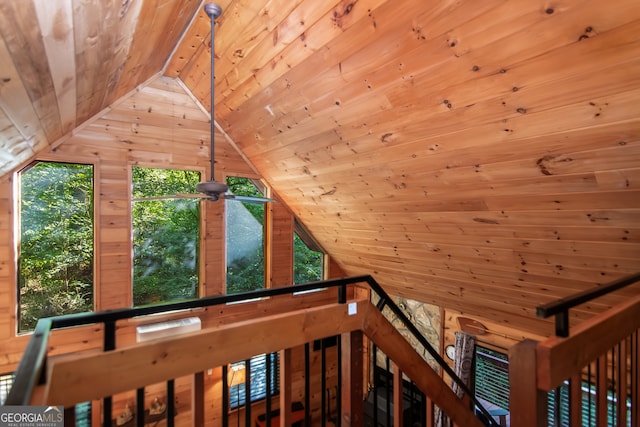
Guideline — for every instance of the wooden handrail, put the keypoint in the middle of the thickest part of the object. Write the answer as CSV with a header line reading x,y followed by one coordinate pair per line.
x,y
539,367
560,308
32,366
29,370
112,368
87,376
558,358
94,375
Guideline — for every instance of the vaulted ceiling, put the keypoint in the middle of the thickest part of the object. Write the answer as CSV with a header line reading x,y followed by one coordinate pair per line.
x,y
480,155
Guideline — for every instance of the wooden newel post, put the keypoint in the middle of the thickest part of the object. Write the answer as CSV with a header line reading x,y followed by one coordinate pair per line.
x,y
528,405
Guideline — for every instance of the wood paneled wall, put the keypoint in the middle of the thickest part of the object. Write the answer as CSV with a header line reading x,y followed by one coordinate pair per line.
x,y
158,125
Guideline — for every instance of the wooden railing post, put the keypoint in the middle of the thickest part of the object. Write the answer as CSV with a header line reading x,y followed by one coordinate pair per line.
x,y
429,412
397,396
528,405
352,407
197,397
285,387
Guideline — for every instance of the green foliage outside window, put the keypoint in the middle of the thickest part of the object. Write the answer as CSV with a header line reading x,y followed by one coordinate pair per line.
x,y
57,235
55,270
245,243
245,238
307,263
165,236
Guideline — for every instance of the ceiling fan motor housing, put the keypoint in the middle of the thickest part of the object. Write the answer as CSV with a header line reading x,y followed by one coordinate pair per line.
x,y
212,188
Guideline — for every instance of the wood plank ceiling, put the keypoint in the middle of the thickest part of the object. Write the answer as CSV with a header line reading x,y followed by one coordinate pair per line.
x,y
479,155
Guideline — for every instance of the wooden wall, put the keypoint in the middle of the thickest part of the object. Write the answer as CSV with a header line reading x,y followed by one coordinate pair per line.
x,y
158,125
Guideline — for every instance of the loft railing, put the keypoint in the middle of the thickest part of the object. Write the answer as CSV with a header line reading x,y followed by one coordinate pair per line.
x,y
560,308
32,368
588,375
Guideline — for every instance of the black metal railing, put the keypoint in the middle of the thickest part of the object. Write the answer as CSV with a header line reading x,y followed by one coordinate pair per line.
x,y
596,388
31,369
560,308
378,404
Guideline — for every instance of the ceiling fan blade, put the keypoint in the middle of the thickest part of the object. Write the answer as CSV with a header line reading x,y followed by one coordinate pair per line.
x,y
226,196
247,199
170,197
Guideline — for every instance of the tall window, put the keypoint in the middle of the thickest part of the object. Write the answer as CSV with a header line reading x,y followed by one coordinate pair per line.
x,y
307,257
245,238
55,268
165,235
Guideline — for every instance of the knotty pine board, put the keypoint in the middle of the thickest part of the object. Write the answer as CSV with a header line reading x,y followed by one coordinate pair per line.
x,y
58,37
334,22
19,38
93,55
249,30
582,252
158,29
433,76
514,267
453,156
399,232
435,188
195,38
417,136
18,114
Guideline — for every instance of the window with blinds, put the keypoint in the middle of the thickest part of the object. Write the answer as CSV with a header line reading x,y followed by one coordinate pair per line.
x,y
492,377
559,410
492,385
83,414
263,371
6,382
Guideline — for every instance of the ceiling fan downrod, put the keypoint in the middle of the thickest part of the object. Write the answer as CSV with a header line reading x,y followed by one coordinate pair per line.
x,y
212,188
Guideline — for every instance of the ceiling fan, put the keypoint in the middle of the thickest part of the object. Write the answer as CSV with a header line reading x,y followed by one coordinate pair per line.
x,y
212,190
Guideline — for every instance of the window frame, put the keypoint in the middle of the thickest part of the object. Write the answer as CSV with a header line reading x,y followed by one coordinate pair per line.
x,y
201,249
17,237
499,362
